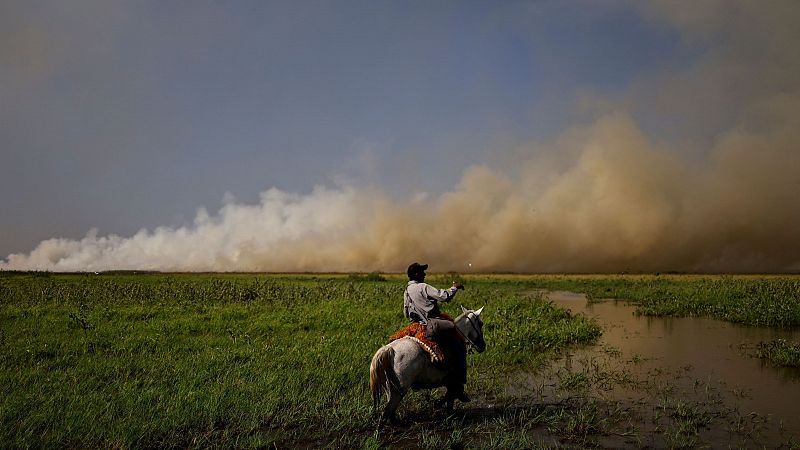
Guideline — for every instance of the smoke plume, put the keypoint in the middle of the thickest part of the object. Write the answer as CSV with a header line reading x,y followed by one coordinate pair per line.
x,y
608,195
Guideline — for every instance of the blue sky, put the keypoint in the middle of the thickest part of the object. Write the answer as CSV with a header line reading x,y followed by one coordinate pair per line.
x,y
129,115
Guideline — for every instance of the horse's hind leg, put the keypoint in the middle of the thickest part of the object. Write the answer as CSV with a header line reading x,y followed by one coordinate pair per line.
x,y
446,401
391,406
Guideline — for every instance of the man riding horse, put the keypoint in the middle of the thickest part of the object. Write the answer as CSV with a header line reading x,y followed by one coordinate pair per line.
x,y
421,304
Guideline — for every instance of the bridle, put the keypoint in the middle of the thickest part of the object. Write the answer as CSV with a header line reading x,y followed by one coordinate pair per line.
x,y
469,318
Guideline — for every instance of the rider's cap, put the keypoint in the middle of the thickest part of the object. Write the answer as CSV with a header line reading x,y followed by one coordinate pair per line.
x,y
416,268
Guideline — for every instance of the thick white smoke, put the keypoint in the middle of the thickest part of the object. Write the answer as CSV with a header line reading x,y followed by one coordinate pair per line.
x,y
604,197
622,204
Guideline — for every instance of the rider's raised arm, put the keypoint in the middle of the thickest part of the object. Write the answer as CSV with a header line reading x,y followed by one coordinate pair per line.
x,y
440,295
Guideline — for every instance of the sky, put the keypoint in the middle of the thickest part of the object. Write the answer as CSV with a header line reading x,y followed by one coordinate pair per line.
x,y
529,136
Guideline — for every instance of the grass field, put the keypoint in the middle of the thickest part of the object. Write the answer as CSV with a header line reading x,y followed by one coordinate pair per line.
x,y
246,360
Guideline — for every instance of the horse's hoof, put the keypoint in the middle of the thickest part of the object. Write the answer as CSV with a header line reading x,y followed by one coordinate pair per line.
x,y
446,403
388,418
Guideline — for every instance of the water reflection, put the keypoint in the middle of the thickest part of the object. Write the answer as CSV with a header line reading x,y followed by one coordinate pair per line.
x,y
706,348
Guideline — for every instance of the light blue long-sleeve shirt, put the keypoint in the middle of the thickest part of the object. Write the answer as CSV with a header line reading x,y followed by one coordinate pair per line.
x,y
423,299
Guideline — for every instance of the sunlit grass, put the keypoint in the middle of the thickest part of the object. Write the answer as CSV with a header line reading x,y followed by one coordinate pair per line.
x,y
181,360
763,300
246,360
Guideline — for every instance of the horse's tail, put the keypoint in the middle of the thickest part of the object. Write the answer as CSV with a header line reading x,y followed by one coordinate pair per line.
x,y
382,378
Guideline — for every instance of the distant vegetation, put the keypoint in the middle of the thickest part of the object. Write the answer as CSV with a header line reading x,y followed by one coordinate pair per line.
x,y
372,276
770,300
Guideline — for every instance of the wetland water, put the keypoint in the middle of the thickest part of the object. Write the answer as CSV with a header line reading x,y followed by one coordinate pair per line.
x,y
703,349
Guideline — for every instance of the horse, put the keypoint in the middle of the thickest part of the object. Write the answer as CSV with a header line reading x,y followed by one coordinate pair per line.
x,y
402,365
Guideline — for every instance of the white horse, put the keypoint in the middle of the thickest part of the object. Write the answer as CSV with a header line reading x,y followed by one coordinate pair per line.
x,y
402,365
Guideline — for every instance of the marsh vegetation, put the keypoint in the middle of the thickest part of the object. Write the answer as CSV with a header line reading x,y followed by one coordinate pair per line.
x,y
246,360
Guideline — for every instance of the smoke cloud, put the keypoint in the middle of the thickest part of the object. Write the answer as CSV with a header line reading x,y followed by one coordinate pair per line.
x,y
608,195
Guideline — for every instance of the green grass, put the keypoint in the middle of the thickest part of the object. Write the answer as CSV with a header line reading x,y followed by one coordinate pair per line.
x,y
124,360
780,353
757,300
771,300
243,360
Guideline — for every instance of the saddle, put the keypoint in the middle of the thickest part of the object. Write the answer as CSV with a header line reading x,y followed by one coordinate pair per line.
x,y
416,332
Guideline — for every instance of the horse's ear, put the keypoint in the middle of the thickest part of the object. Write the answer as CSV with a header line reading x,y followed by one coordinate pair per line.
x,y
464,310
478,312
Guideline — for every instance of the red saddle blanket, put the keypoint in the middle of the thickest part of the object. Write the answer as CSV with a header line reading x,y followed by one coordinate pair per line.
x,y
416,332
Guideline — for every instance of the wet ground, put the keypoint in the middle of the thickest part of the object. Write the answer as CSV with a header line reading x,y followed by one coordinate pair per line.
x,y
648,382
689,380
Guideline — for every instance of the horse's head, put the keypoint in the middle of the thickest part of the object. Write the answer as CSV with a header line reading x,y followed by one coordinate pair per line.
x,y
470,325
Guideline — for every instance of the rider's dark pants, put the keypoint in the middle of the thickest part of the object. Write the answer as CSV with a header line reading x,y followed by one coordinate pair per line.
x,y
444,332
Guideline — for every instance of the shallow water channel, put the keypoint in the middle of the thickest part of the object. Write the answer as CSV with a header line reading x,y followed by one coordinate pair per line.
x,y
702,349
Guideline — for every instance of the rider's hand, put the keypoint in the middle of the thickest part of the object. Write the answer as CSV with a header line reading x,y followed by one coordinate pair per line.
x,y
458,285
